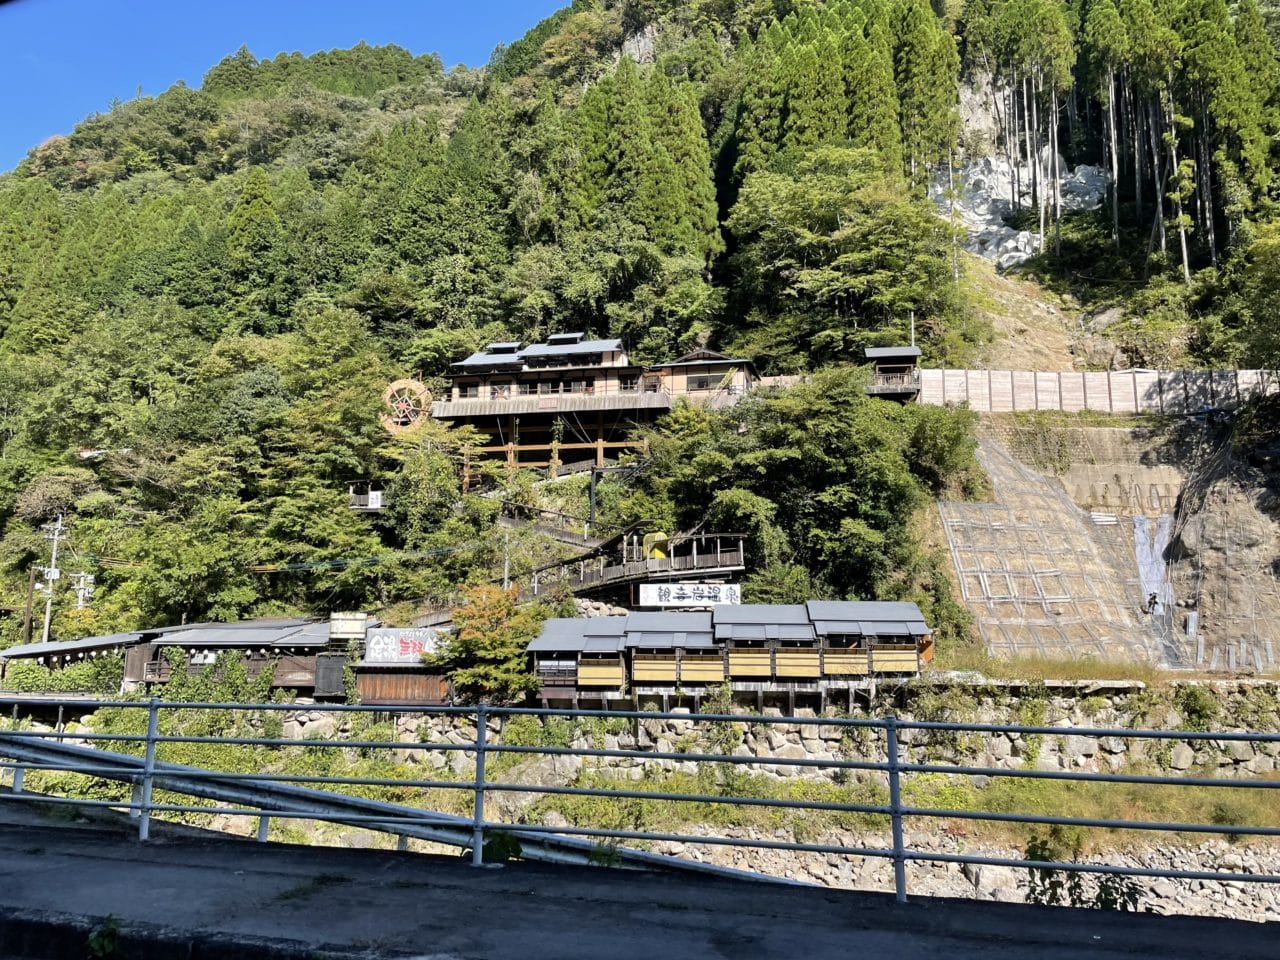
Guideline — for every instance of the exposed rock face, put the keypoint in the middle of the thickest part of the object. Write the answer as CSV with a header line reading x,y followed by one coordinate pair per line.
x,y
984,202
1224,562
598,608
642,45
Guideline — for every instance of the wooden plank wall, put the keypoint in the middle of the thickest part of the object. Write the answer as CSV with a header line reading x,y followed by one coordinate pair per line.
x,y
1167,392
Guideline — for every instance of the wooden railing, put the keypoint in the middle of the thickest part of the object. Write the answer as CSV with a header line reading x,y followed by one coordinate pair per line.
x,y
591,574
894,382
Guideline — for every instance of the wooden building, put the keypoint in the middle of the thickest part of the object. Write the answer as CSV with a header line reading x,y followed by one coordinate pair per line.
x,y
573,400
895,372
392,669
819,650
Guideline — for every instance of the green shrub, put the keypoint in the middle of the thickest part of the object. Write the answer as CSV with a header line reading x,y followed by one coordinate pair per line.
x,y
1199,707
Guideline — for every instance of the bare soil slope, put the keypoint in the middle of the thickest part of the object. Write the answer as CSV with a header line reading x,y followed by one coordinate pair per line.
x,y
1033,327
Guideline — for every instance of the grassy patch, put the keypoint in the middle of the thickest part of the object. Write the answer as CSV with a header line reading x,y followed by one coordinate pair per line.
x,y
975,659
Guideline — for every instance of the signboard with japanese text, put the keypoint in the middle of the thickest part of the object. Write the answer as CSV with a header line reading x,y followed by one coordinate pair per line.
x,y
689,594
398,644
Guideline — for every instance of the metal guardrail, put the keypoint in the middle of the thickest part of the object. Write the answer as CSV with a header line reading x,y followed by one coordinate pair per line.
x,y
266,795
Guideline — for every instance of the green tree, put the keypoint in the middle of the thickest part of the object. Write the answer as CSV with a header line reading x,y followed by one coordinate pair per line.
x,y
485,655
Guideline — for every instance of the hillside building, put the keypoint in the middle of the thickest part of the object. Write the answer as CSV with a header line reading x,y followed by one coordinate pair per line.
x,y
573,400
818,651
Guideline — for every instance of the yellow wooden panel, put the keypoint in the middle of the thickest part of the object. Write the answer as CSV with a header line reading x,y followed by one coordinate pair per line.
x,y
798,663
663,670
895,661
702,670
845,664
750,663
599,674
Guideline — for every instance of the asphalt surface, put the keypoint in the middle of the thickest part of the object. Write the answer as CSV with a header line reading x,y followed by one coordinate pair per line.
x,y
194,896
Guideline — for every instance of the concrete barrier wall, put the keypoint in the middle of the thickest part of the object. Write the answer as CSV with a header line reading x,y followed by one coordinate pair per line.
x,y
1172,392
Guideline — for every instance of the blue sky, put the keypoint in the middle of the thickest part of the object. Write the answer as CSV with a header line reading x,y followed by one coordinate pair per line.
x,y
62,60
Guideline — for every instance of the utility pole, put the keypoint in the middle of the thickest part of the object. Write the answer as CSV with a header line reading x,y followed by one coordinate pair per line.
x,y
31,599
83,588
54,532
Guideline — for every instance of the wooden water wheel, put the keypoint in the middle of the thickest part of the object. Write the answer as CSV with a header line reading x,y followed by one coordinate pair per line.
x,y
408,404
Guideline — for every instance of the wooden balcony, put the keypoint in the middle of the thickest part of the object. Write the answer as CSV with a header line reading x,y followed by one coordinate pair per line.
x,y
793,662
845,663
750,663
895,383
702,668
551,403
654,668
895,658
600,673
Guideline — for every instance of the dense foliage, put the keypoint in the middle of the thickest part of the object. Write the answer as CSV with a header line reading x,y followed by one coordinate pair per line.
x,y
826,484
203,293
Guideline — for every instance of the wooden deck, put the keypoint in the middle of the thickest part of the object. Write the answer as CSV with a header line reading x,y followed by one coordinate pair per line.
x,y
550,404
588,574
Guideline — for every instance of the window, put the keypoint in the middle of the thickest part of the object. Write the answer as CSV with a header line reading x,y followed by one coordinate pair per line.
x,y
844,641
702,383
500,391
468,391
628,383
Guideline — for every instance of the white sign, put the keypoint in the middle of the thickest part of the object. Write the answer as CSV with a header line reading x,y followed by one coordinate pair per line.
x,y
689,594
398,644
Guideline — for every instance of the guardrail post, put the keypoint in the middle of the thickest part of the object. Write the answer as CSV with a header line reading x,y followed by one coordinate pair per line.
x,y
895,808
477,831
148,769
18,774
264,824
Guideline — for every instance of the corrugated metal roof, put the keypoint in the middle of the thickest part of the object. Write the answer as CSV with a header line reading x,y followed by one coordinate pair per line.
x,y
665,639
58,647
888,617
661,622
784,622
826,628
885,628
761,621
761,613
568,349
561,633
884,353
485,360
605,626
257,624
248,634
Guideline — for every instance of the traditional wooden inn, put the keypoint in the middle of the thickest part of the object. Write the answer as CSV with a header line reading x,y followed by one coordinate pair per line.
x,y
817,651
307,656
572,400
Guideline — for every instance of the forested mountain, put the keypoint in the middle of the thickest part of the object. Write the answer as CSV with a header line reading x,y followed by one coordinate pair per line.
x,y
203,293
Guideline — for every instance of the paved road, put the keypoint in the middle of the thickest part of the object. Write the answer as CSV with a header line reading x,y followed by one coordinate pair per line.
x,y
202,897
